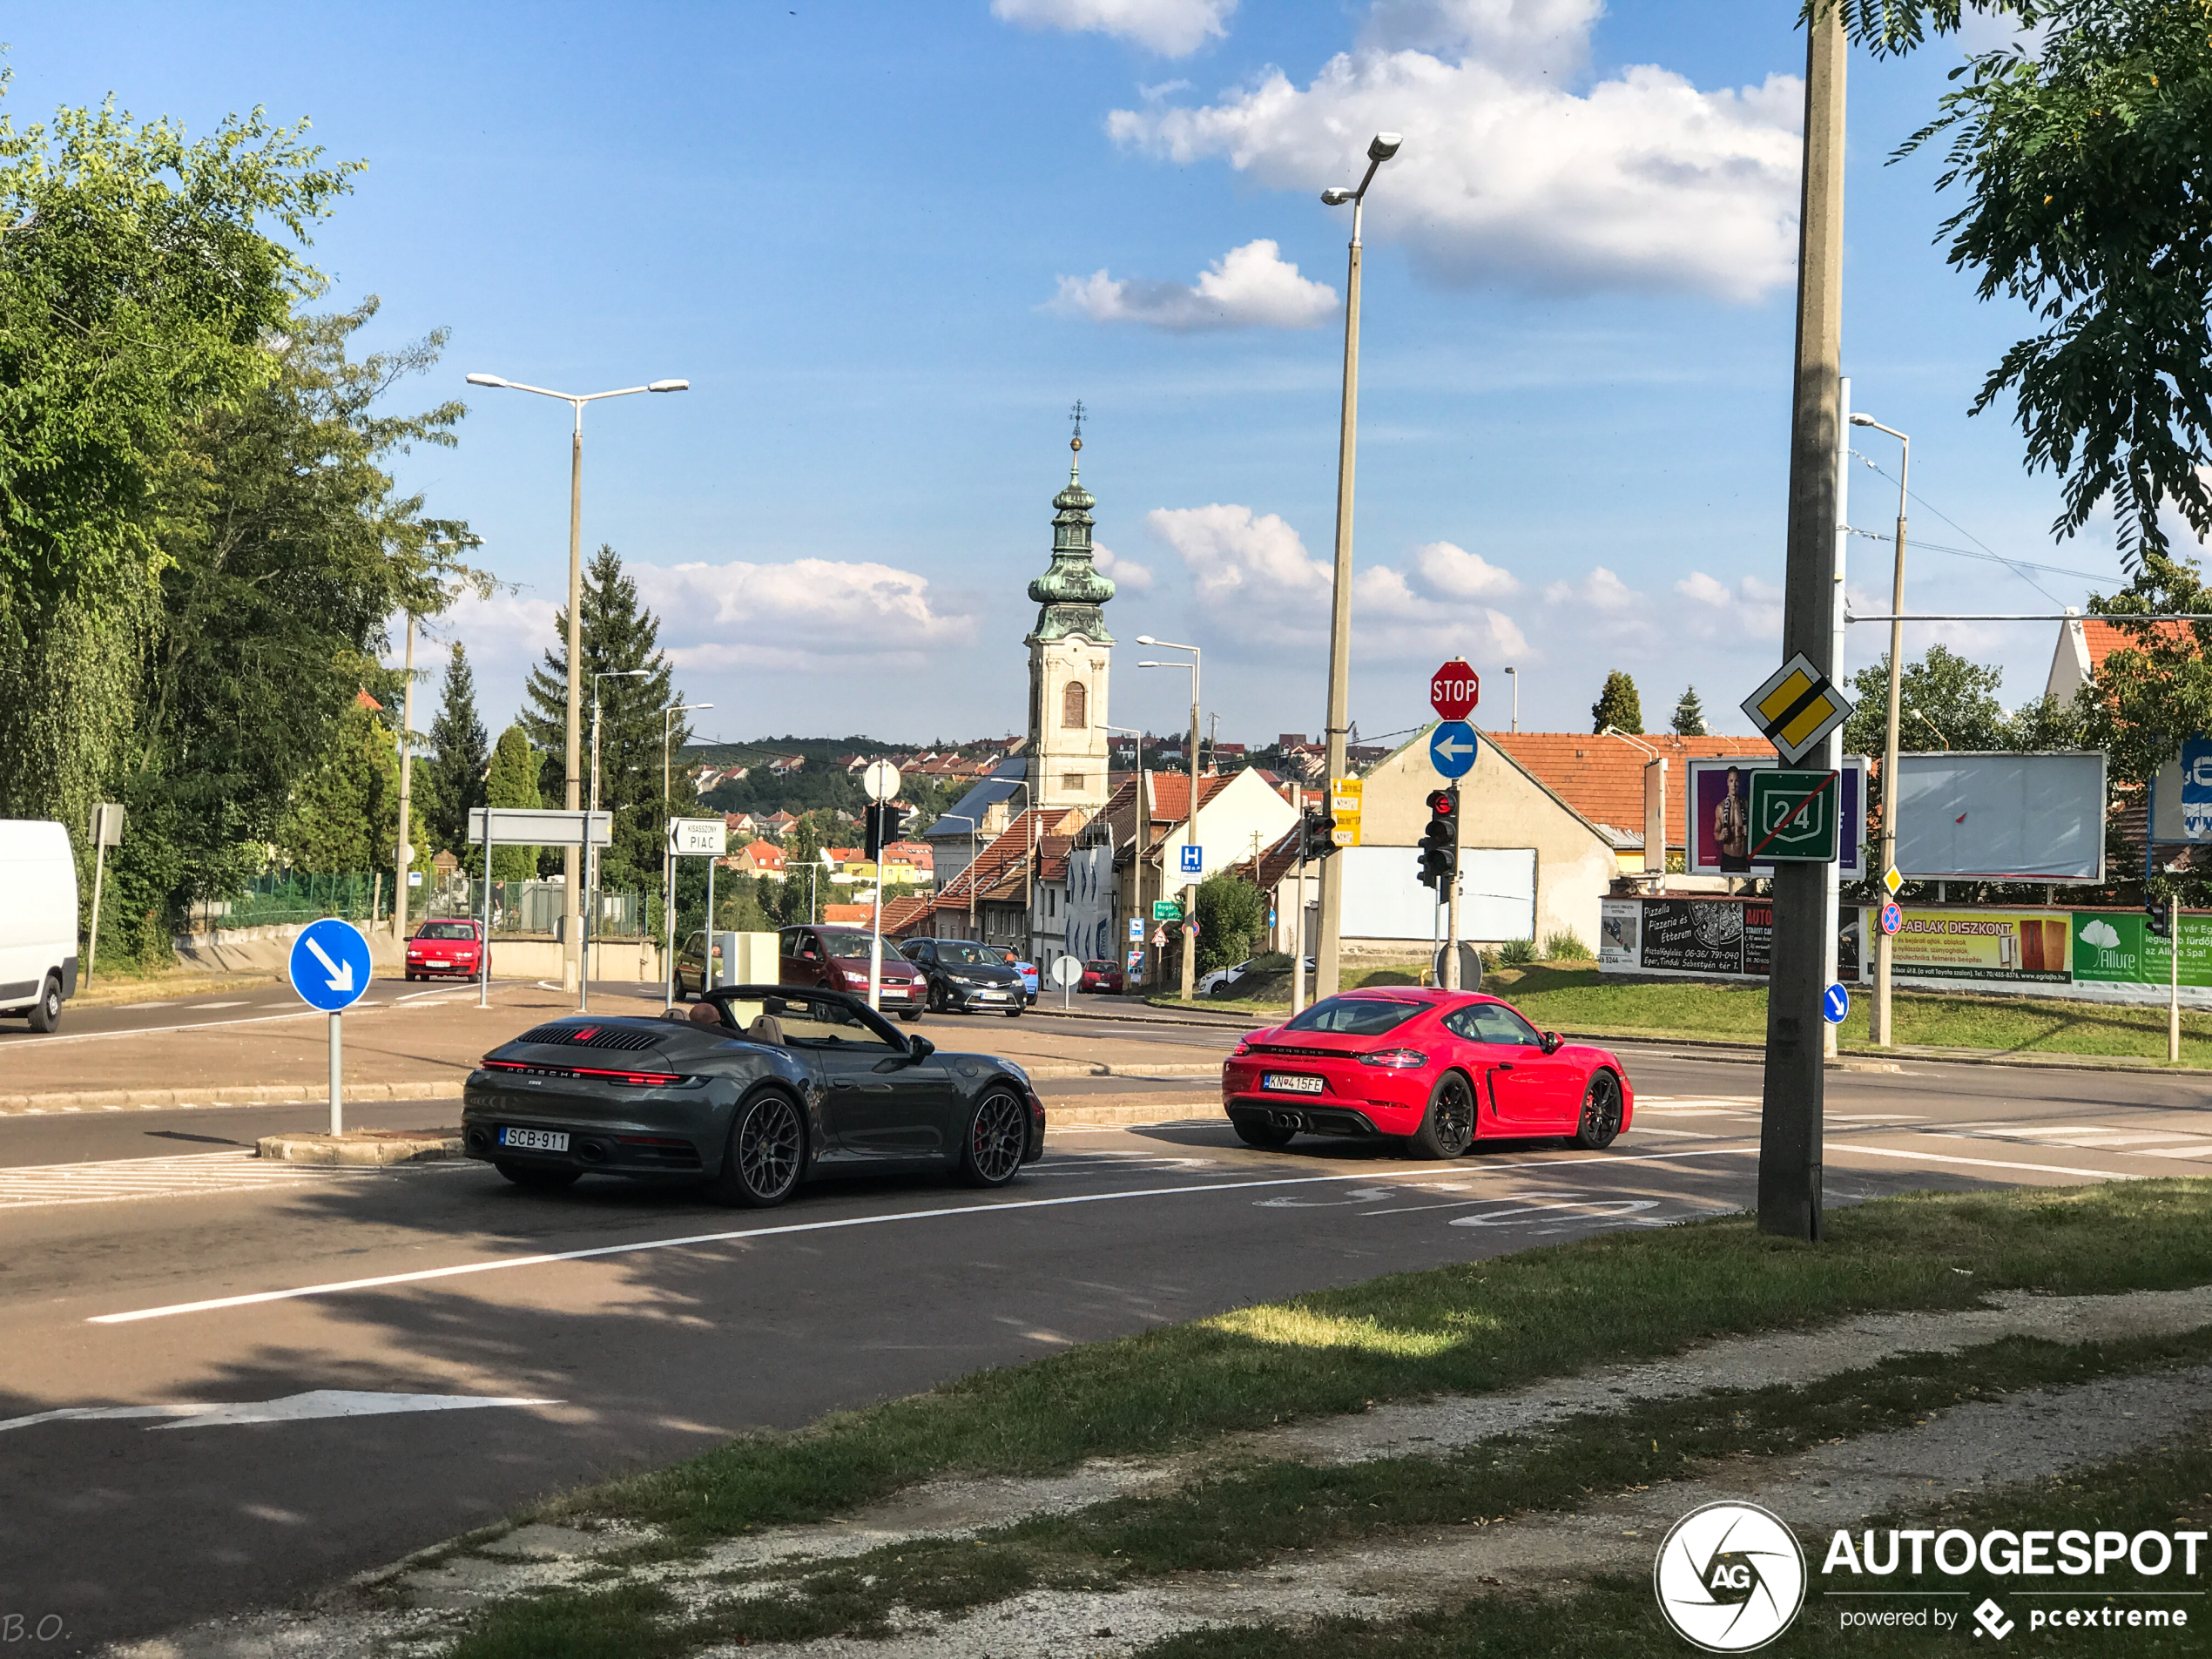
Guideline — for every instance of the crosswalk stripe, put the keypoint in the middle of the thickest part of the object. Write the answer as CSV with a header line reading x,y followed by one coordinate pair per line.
x,y
185,1176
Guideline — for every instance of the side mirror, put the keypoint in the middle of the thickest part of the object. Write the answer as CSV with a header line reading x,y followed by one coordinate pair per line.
x,y
1552,1042
920,1047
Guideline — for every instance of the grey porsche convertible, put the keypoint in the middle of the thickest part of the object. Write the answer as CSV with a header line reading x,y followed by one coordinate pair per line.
x,y
751,1090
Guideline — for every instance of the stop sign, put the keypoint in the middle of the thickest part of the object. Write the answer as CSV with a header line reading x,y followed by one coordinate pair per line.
x,y
1453,689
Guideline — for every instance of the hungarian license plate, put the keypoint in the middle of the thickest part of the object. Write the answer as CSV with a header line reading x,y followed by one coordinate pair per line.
x,y
437,964
992,996
1291,1083
535,1140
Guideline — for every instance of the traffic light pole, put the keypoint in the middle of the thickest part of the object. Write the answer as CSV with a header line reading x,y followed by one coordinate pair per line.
x,y
1452,903
2174,977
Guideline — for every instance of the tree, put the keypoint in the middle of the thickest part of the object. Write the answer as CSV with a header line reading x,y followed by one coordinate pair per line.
x,y
1947,702
2156,691
618,633
344,816
2086,161
1232,913
1690,714
460,756
1617,705
513,782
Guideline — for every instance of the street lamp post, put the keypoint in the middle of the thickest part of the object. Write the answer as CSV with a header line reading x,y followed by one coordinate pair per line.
x,y
1142,835
572,952
668,858
590,851
1514,674
1190,900
1383,146
403,853
1880,1027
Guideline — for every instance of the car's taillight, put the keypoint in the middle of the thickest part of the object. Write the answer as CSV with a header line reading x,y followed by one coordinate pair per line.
x,y
1244,1046
1396,1059
636,1079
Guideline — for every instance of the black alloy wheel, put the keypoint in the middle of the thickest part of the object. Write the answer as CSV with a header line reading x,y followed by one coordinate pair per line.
x,y
1600,1113
1262,1132
995,1141
536,1177
766,1153
1447,1127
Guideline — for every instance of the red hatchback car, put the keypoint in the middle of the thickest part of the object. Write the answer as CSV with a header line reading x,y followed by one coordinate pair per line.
x,y
1102,976
440,948
1443,1069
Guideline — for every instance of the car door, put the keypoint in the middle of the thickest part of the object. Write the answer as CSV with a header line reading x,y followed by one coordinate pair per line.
x,y
878,1100
923,953
805,964
1521,1083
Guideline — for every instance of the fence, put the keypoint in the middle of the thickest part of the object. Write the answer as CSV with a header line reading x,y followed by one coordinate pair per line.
x,y
525,908
284,896
279,897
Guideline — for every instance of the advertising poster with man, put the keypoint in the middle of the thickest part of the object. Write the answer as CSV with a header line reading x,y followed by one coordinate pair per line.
x,y
1723,837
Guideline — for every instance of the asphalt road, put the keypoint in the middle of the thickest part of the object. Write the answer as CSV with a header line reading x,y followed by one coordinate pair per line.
x,y
189,1274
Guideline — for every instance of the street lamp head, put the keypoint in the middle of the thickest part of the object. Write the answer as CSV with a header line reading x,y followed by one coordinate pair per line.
x,y
1162,664
669,385
1384,147
1861,419
486,380
1336,195
1146,640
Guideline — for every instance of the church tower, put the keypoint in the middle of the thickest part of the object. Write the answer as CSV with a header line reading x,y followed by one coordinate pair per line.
x,y
1071,654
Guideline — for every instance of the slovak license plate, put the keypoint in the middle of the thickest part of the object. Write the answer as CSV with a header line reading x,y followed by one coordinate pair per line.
x,y
535,1140
1291,1083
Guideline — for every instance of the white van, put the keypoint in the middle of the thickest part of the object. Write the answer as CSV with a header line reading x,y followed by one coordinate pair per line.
x,y
38,920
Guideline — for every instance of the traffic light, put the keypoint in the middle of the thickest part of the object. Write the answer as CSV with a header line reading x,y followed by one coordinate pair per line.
x,y
1320,830
1440,840
884,820
2156,918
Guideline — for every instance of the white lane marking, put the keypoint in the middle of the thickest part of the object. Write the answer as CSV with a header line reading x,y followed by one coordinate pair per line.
x,y
1978,1163
30,1186
200,1007
133,1008
694,1240
291,1408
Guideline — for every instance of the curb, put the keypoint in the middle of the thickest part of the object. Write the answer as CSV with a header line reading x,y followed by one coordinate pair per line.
x,y
1053,1072
217,1095
370,1148
1103,1117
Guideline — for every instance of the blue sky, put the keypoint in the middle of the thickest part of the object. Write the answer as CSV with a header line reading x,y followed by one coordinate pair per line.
x,y
889,243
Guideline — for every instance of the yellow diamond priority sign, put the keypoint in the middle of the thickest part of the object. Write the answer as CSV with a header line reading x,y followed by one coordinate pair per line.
x,y
1893,881
1798,707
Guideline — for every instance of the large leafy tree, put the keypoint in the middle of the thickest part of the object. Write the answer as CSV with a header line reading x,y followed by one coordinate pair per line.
x,y
2086,159
618,634
460,756
1946,702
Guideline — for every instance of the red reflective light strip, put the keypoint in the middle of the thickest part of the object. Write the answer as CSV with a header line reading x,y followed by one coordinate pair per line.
x,y
641,1078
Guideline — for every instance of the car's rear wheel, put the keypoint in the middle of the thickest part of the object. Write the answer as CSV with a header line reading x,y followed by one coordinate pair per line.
x,y
1447,1127
1262,1132
1600,1119
936,997
996,1139
538,1178
766,1154
46,1012
675,988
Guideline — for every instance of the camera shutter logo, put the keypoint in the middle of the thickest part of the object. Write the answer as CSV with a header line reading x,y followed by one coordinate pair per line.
x,y
1730,1577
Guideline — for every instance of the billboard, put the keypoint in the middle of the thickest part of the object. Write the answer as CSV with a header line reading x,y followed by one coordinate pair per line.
x,y
1384,899
1703,937
1720,815
2116,948
2181,796
2001,817
2027,948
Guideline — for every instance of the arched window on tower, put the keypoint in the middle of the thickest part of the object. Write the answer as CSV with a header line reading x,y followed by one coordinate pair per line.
x,y
1075,706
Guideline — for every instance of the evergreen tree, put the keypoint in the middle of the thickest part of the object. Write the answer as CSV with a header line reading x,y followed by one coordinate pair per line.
x,y
460,756
618,633
513,782
344,815
1617,705
1690,714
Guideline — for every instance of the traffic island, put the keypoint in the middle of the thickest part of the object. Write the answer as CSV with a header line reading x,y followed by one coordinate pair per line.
x,y
365,1147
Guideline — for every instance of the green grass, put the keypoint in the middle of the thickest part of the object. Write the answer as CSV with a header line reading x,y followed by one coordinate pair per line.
x,y
1462,1329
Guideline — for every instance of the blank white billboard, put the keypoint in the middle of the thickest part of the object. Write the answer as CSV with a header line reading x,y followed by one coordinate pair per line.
x,y
2001,817
1384,898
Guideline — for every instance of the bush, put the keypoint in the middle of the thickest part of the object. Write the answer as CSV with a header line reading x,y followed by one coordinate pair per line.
x,y
1231,914
1563,947
1517,952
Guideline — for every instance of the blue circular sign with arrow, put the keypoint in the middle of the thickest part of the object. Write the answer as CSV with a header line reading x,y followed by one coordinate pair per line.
x,y
1452,748
329,965
1835,1005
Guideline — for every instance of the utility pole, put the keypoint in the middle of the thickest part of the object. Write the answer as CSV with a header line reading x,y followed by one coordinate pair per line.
x,y
1191,839
403,855
1833,750
1791,1113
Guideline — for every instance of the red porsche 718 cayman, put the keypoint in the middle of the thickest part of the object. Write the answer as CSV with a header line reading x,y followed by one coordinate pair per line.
x,y
1443,1069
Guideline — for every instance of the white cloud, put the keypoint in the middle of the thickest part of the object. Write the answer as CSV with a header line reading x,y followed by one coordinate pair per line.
x,y
1640,181
1171,28
807,611
1601,592
1126,573
1238,555
1458,574
1251,287
1751,610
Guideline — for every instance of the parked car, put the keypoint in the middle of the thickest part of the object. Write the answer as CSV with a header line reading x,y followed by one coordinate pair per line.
x,y
1030,979
38,920
1443,1069
696,967
1218,982
755,1090
837,958
965,977
1099,975
442,947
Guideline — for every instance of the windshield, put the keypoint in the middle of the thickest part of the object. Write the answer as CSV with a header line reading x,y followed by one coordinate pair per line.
x,y
448,930
958,953
853,947
1356,1016
803,1022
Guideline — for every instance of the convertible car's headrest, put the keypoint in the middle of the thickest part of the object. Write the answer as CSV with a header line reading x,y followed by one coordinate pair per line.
x,y
766,1028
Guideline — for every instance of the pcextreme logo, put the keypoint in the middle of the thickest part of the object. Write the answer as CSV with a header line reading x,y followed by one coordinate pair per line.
x,y
1730,1577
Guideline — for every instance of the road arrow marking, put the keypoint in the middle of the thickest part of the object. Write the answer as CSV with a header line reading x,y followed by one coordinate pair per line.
x,y
341,979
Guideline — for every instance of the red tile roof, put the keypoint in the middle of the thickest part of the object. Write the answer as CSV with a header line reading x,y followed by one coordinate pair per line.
x,y
1603,777
2102,638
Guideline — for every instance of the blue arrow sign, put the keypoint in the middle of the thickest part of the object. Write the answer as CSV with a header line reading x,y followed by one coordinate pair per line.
x,y
1194,861
329,965
1835,1005
1452,748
